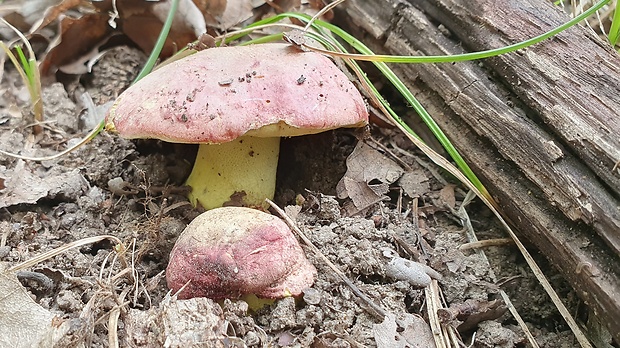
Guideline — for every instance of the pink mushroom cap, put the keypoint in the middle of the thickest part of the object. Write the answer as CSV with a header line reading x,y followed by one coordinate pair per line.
x,y
219,94
230,252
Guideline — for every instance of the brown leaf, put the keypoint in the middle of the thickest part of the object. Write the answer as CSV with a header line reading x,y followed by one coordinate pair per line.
x,y
360,193
53,12
413,332
142,24
466,316
236,12
414,183
144,31
369,174
141,21
187,18
446,195
284,5
213,8
78,36
24,187
318,5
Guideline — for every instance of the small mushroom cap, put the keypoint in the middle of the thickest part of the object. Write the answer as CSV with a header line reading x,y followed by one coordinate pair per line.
x,y
219,94
230,252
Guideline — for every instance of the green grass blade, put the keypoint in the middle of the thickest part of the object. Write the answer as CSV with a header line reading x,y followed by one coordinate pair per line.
x,y
614,30
409,97
380,60
25,64
472,55
161,40
29,71
150,63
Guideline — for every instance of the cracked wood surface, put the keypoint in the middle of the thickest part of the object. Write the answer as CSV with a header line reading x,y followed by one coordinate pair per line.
x,y
539,126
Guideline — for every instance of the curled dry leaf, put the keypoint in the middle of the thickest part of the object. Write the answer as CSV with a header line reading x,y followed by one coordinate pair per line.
x,y
51,13
22,186
413,332
23,322
369,174
80,37
466,316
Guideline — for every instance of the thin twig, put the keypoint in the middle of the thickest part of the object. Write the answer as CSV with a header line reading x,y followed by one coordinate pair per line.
x,y
57,251
471,235
486,243
377,308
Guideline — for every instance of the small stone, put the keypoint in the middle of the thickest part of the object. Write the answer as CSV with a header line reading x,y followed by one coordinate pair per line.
x,y
415,273
251,339
312,296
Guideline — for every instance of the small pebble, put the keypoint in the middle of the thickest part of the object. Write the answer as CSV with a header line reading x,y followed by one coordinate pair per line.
x,y
251,339
4,251
312,296
415,273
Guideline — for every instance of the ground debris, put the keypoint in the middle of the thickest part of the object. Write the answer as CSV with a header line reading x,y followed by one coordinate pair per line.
x,y
23,322
466,316
413,332
178,323
23,186
368,177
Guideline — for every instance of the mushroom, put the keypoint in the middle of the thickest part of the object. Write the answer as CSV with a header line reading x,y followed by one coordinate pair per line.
x,y
236,102
231,252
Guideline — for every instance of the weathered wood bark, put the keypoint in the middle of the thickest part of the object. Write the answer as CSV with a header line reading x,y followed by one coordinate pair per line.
x,y
539,126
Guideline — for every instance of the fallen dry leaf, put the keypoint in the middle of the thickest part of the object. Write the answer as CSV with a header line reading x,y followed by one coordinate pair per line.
x,y
284,5
78,38
52,11
466,316
23,322
369,174
415,183
22,186
446,196
211,10
361,193
236,12
188,16
413,333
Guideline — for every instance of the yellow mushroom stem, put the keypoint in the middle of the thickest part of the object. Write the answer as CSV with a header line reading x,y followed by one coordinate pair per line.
x,y
241,171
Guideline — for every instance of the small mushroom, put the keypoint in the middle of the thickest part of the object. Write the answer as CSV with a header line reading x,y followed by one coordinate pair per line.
x,y
236,102
231,252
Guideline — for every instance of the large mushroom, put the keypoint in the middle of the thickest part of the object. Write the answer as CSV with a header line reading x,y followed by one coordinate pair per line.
x,y
237,102
231,252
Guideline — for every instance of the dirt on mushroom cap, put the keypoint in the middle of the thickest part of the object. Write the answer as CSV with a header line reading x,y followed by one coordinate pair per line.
x,y
221,93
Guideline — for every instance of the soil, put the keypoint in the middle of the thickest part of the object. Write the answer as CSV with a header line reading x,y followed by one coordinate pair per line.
x,y
133,190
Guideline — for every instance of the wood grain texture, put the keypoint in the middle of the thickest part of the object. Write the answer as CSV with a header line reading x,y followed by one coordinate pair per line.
x,y
538,126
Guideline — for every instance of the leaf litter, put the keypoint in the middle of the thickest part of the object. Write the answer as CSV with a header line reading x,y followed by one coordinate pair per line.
x,y
115,187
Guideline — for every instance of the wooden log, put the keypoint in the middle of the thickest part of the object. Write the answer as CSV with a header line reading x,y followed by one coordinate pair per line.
x,y
538,126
